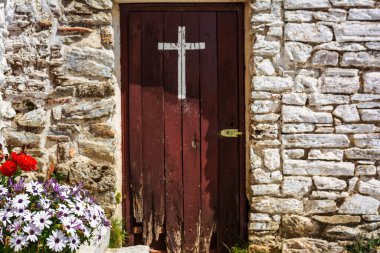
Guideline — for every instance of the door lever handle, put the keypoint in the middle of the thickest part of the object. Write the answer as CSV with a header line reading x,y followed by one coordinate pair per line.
x,y
231,133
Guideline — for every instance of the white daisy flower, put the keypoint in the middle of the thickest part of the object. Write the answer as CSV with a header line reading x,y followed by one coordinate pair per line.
x,y
73,242
32,232
42,220
21,201
71,223
57,241
18,242
44,203
78,208
5,217
3,191
34,188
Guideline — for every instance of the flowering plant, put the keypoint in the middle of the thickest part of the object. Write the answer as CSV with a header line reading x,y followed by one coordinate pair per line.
x,y
44,216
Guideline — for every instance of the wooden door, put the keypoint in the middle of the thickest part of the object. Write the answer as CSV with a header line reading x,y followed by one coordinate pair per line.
x,y
183,84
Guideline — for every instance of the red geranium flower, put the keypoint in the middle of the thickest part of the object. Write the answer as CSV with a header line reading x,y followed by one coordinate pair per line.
x,y
14,156
26,162
8,168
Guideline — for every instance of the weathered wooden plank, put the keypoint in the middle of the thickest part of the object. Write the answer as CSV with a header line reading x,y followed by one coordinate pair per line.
x,y
191,139
153,125
209,128
229,210
173,138
135,115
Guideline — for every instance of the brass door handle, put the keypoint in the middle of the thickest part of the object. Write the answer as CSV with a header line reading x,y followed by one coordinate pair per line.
x,y
231,133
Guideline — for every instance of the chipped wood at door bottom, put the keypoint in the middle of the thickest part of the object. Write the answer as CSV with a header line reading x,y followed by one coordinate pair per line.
x,y
138,210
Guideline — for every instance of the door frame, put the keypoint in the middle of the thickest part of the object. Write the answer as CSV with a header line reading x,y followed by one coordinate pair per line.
x,y
210,5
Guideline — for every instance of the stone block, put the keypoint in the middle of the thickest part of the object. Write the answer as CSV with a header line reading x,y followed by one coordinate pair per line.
x,y
298,226
294,99
361,59
272,84
297,114
359,154
337,219
353,3
6,110
265,47
333,15
306,4
293,154
271,117
318,168
34,118
357,31
348,113
329,183
262,131
320,206
277,205
262,177
365,97
88,110
370,115
366,170
297,52
266,190
272,159
20,138
102,151
372,82
296,186
364,14
341,85
298,128
355,128
326,154
371,140
343,233
328,195
370,188
359,204
265,106
298,16
324,58
308,33
318,99
341,47
316,141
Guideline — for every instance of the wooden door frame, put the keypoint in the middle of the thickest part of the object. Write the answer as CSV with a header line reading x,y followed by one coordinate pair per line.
x,y
232,5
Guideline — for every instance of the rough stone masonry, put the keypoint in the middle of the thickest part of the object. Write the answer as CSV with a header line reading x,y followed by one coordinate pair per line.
x,y
314,178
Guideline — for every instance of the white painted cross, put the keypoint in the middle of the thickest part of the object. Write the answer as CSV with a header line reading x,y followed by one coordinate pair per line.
x,y
181,46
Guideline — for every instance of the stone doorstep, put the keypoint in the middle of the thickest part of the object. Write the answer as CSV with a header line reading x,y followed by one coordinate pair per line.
x,y
133,249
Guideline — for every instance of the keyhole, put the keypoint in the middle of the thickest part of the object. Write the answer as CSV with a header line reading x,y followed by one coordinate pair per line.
x,y
232,124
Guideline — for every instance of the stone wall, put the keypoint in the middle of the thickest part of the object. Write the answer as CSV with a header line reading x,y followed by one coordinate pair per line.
x,y
57,88
315,140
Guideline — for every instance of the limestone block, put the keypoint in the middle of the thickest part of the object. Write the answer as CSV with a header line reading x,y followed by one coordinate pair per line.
x,y
337,219
20,138
103,130
324,57
326,154
264,226
256,161
271,117
103,151
308,32
373,45
348,113
306,84
333,15
265,106
296,186
35,118
356,128
266,189
318,168
297,114
272,160
277,205
298,16
328,195
339,46
297,52
306,245
262,131
329,183
99,4
354,31
272,84
353,3
95,19
293,154
364,97
371,217
341,72
298,128
265,67
305,4
265,47
88,61
352,184
371,188
88,110
372,82
361,59
358,154
261,5
265,17
316,141
320,206
343,233
260,217
341,85
366,170
318,99
359,204
294,99
364,14
6,110
298,226
370,140
370,114
262,177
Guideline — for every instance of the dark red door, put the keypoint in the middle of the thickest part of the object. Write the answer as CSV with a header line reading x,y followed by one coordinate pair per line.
x,y
182,71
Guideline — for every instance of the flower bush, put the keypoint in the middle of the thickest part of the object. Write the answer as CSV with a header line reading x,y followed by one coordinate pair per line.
x,y
44,216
